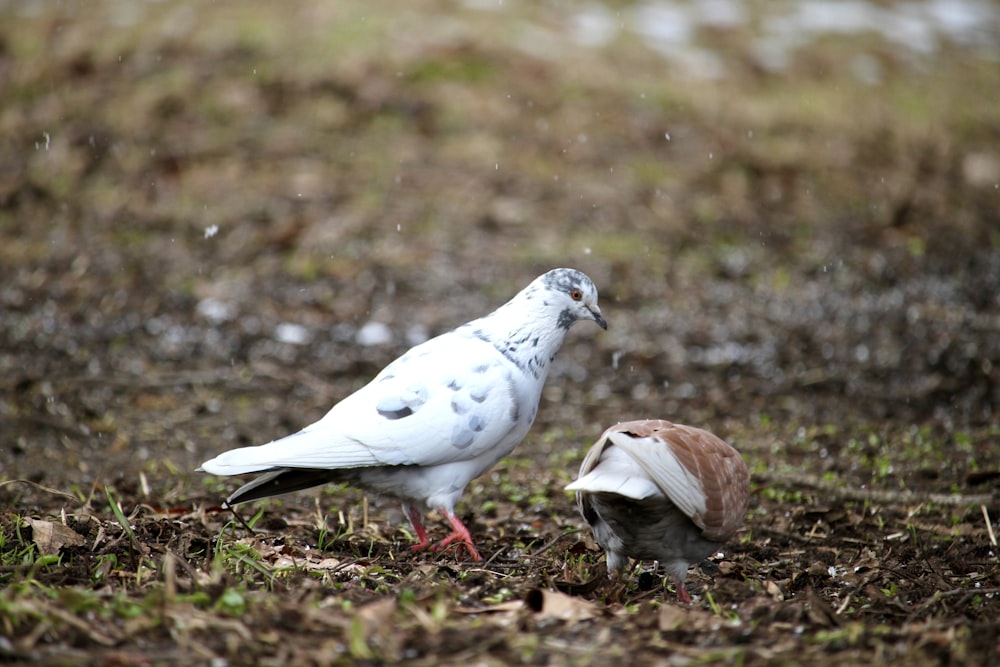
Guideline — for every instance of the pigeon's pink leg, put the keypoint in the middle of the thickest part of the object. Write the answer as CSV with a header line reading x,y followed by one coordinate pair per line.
x,y
459,534
418,527
682,591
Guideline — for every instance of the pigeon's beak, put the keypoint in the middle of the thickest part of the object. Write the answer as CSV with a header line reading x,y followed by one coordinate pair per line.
x,y
595,312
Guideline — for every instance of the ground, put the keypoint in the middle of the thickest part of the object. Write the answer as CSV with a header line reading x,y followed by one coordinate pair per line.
x,y
217,220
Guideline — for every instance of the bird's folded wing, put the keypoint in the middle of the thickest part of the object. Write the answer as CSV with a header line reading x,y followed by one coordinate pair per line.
x,y
417,411
617,472
657,457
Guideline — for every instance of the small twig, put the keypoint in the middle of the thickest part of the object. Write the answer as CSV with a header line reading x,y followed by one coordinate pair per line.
x,y
489,561
239,518
348,563
846,602
989,525
548,545
38,486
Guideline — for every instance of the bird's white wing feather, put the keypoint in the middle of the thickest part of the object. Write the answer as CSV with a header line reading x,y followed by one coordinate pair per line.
x,y
304,449
417,411
617,472
664,469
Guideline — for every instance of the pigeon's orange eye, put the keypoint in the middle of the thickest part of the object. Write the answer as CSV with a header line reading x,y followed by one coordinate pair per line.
x,y
576,295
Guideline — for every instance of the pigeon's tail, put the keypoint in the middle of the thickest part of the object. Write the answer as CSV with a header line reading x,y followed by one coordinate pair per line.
x,y
312,447
286,480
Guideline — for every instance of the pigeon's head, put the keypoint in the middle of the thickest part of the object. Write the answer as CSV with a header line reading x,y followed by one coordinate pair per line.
x,y
571,293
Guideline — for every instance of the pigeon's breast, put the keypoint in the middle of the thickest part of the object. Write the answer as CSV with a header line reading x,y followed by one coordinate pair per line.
x,y
490,405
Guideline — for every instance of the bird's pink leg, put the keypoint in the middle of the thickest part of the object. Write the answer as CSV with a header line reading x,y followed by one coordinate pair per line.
x,y
459,534
682,591
418,527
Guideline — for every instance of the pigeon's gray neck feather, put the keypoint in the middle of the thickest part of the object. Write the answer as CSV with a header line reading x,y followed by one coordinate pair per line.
x,y
528,336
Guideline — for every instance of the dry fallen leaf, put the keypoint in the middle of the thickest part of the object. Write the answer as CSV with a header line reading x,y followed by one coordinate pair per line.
x,y
676,617
553,604
774,590
377,613
820,612
50,536
544,604
671,617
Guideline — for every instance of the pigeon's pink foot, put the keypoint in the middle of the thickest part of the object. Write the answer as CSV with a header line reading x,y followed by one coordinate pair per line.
x,y
459,534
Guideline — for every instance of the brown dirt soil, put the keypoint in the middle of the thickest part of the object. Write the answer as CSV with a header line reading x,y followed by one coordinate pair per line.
x,y
202,206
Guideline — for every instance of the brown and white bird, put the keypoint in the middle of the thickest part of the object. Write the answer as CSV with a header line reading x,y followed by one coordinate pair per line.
x,y
654,490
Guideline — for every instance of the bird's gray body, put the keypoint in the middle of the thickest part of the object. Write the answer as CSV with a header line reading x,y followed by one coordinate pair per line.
x,y
650,529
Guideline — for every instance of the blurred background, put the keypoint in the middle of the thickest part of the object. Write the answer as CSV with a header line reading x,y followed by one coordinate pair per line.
x,y
216,219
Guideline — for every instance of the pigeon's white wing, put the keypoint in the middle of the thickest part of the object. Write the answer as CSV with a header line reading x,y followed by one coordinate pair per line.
x,y
449,399
616,472
309,448
658,459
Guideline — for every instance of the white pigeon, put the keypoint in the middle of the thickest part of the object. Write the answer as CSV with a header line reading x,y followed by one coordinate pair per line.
x,y
653,490
435,418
